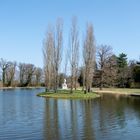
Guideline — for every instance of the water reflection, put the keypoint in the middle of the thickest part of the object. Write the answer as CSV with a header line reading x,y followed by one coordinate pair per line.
x,y
68,119
25,116
20,114
104,118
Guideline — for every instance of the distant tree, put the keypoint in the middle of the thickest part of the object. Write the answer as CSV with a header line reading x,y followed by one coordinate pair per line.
x,y
110,72
122,70
133,74
136,73
131,66
10,73
74,53
89,58
38,75
22,71
104,54
122,60
4,65
26,74
30,68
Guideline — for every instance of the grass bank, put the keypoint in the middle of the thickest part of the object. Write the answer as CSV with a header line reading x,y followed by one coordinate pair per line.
x,y
65,94
121,91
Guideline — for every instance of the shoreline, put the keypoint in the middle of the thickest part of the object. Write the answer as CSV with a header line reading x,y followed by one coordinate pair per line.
x,y
118,91
96,91
4,88
113,92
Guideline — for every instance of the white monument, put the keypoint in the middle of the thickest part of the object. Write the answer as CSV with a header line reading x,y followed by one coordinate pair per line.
x,y
64,85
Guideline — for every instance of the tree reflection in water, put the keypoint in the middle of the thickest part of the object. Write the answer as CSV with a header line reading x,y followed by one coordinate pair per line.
x,y
108,117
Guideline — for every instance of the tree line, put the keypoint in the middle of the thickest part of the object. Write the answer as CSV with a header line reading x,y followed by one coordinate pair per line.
x,y
81,62
15,74
89,65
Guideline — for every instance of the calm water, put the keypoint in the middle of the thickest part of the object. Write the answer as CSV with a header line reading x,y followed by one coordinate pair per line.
x,y
27,117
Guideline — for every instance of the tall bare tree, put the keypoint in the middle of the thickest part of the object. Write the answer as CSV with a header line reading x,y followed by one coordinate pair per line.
x,y
104,53
58,52
89,49
74,52
48,54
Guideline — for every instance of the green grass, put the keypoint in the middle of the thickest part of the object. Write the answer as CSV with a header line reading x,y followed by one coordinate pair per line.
x,y
65,94
79,94
118,90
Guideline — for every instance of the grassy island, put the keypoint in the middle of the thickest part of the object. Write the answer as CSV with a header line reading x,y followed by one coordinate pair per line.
x,y
65,94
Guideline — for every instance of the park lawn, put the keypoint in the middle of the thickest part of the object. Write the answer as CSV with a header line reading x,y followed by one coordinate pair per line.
x,y
117,90
65,94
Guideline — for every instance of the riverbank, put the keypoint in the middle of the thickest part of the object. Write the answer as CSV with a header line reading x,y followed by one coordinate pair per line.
x,y
65,94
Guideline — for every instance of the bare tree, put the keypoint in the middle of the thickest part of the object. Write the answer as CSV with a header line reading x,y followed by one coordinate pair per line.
x,y
110,71
4,65
89,57
10,72
22,70
74,53
26,73
30,68
58,52
104,53
38,74
48,54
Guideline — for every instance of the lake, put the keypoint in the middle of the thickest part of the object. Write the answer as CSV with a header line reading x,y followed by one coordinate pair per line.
x,y
24,116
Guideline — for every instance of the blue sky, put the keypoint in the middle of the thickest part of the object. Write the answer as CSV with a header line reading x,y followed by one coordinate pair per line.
x,y
23,24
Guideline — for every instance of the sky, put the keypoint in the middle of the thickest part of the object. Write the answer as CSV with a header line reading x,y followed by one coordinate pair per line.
x,y
23,25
